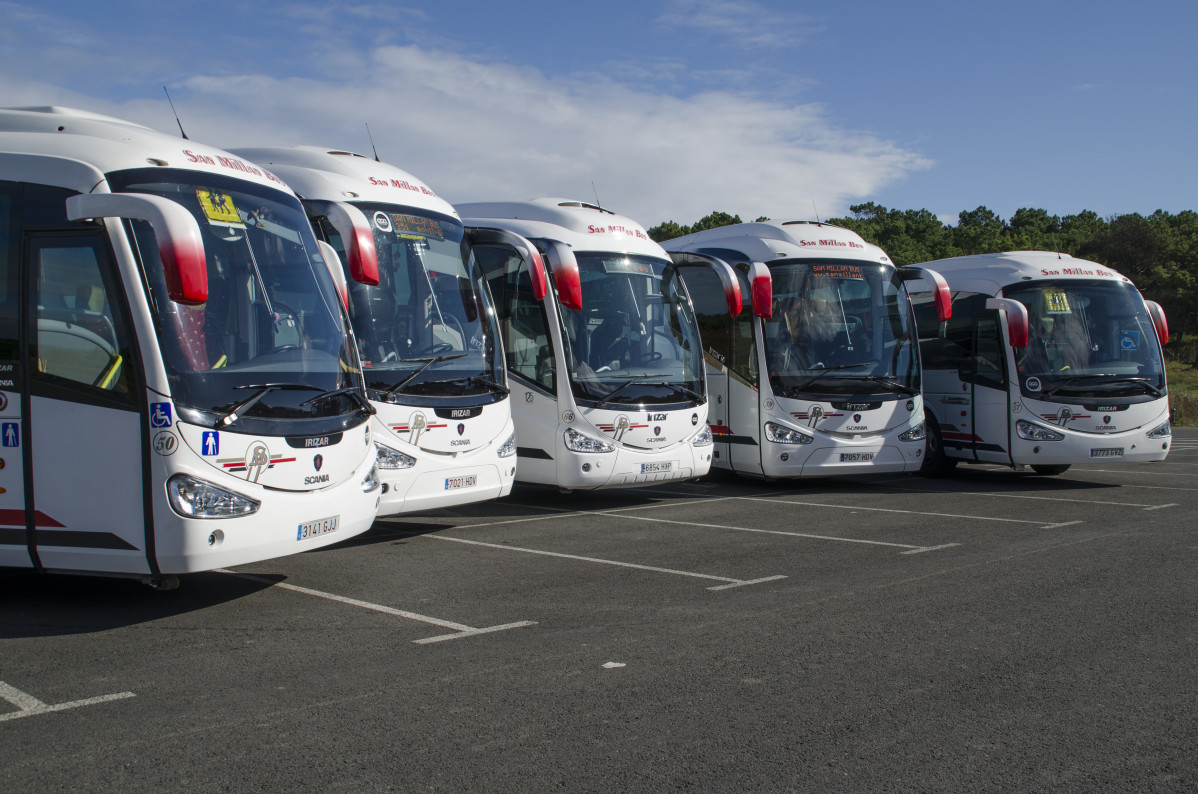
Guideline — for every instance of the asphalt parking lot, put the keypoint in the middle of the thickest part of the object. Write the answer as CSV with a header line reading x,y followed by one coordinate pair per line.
x,y
993,631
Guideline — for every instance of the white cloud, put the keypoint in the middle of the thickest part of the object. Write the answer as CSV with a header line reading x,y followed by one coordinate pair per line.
x,y
486,131
742,23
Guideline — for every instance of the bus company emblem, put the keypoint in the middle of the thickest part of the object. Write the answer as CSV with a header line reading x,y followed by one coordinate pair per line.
x,y
461,428
382,222
1106,420
1032,384
856,417
1064,415
657,430
257,460
318,461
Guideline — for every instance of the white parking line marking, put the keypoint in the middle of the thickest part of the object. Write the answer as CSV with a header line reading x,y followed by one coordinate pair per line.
x,y
1154,472
30,706
895,510
460,629
1062,524
1037,498
787,533
730,581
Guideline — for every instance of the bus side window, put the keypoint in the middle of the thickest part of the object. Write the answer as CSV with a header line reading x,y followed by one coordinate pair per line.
x,y
989,358
528,345
10,272
711,309
80,336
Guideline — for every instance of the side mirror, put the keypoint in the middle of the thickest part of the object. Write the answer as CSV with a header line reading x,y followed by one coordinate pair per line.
x,y
941,293
722,269
333,263
537,272
357,238
565,274
180,246
762,286
1158,321
1017,322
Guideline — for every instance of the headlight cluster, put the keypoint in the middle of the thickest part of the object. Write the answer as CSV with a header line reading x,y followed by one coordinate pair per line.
x,y
917,433
1034,432
508,448
785,435
191,497
388,458
702,438
371,481
1164,431
578,442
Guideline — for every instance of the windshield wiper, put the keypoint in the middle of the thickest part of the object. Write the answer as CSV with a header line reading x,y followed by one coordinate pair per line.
x,y
1147,384
263,390
489,383
1107,380
352,391
892,383
428,362
823,373
631,380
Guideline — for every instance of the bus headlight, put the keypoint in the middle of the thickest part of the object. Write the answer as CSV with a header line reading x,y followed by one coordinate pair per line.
x,y
387,458
508,448
1033,432
917,433
1164,431
372,479
702,438
785,435
191,497
577,442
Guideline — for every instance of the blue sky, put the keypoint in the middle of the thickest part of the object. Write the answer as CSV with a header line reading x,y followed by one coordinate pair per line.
x,y
670,108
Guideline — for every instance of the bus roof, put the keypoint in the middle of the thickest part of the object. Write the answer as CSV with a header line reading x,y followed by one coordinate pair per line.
x,y
765,241
315,172
582,226
74,149
989,273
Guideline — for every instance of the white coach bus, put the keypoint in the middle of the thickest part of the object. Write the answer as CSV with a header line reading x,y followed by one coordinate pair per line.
x,y
179,388
427,332
823,377
1047,361
607,368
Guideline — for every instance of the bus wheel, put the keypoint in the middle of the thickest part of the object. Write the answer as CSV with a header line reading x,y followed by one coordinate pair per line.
x,y
935,462
1047,470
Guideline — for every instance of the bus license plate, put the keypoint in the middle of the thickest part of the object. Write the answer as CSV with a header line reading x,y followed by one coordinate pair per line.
x,y
856,457
647,468
1107,452
468,481
321,526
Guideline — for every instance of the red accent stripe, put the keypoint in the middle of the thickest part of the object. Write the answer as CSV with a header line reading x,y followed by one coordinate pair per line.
x,y
16,518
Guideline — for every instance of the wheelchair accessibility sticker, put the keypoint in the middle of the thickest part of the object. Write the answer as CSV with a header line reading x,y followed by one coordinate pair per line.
x,y
160,414
1129,340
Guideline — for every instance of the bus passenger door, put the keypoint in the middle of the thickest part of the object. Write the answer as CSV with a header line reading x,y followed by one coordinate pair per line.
x,y
84,442
711,311
990,411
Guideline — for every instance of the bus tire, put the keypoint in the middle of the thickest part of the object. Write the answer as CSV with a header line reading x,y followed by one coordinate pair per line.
x,y
935,462
1046,470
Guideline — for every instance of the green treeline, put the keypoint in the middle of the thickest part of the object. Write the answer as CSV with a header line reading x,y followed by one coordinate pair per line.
x,y
1158,252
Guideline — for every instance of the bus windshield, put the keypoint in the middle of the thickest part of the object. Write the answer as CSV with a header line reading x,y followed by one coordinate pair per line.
x,y
636,339
429,327
1087,338
840,327
272,322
